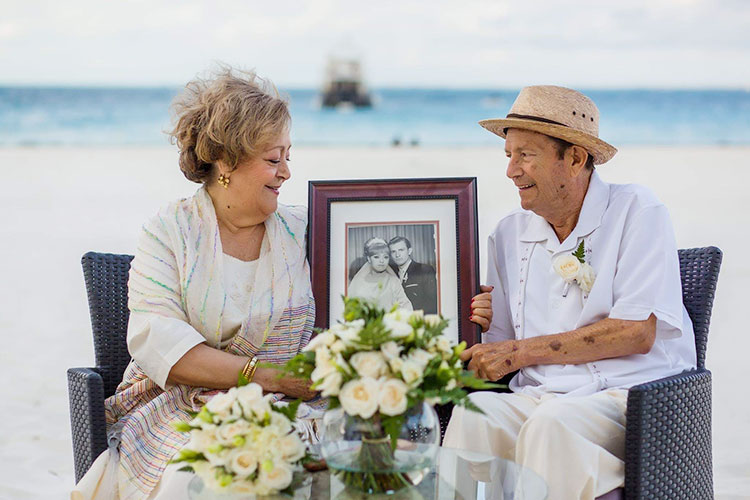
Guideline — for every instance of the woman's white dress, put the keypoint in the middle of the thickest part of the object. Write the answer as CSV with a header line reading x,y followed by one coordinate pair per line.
x,y
382,288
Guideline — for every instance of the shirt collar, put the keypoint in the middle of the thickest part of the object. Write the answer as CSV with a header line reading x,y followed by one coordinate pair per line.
x,y
594,205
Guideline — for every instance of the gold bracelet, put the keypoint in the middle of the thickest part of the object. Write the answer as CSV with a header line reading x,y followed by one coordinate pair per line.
x,y
252,370
249,369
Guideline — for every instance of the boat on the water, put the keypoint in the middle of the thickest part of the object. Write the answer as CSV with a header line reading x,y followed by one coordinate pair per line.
x,y
343,84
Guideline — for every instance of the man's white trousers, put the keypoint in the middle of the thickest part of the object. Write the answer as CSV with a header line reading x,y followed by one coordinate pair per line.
x,y
575,443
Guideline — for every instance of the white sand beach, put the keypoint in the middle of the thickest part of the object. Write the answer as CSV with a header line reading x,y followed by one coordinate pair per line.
x,y
58,203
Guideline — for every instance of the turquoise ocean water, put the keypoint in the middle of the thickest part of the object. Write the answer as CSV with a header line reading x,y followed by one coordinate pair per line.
x,y
139,116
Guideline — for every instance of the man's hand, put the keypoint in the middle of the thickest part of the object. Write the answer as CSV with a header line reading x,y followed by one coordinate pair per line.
x,y
481,308
494,360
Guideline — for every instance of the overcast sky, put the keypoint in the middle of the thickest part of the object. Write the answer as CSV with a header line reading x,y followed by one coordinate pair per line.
x,y
432,43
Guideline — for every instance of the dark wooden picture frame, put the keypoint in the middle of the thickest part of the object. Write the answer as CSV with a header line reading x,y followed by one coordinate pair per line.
x,y
463,191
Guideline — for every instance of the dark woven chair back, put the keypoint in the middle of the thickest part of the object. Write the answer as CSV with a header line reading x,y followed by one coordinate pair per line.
x,y
699,270
106,277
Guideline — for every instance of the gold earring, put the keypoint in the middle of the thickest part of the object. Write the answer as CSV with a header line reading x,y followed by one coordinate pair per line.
x,y
223,180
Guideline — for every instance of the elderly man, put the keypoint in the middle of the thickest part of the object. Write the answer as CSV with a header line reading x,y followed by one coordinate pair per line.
x,y
583,300
419,280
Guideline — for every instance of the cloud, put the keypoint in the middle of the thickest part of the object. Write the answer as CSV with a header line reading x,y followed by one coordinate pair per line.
x,y
402,42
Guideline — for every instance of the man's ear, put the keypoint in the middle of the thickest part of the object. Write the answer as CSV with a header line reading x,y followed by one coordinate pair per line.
x,y
576,156
409,251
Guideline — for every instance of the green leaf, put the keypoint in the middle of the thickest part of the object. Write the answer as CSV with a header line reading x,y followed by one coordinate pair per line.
x,y
300,366
374,334
457,350
579,253
356,308
242,380
181,426
215,448
187,468
187,455
436,330
468,379
392,426
225,480
469,405
289,411
206,415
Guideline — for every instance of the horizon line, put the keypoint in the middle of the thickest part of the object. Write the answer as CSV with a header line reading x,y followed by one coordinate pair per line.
x,y
127,86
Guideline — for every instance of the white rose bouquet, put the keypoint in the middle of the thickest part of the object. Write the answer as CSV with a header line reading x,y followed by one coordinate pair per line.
x,y
241,443
376,366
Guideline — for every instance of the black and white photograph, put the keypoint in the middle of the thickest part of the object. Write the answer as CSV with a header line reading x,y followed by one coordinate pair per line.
x,y
394,264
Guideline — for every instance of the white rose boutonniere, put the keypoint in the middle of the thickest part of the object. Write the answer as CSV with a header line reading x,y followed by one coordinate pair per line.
x,y
568,267
574,268
586,277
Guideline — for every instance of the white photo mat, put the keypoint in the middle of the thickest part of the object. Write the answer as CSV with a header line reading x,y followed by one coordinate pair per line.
x,y
396,211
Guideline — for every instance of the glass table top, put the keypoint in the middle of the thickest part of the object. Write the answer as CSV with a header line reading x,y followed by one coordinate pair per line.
x,y
456,475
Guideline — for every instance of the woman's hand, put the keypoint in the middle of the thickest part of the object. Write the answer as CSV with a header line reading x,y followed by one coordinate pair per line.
x,y
268,378
481,308
296,388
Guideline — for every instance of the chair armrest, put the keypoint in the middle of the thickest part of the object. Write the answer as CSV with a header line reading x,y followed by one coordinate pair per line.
x,y
668,438
87,423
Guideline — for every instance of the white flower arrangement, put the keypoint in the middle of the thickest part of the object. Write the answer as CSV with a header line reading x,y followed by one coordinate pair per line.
x,y
377,366
574,268
378,363
241,443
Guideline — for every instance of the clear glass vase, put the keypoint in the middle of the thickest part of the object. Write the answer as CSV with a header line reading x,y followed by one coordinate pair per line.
x,y
360,453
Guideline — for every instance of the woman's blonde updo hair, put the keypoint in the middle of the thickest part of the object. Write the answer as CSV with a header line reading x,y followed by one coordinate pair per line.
x,y
375,245
229,117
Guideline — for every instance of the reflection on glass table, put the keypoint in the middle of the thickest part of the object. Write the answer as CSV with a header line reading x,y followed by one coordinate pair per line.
x,y
456,475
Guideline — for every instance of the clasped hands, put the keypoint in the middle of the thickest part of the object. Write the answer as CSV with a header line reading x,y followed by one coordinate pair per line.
x,y
494,360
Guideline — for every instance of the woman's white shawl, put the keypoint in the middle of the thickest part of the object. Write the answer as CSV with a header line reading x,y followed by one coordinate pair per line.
x,y
177,275
178,270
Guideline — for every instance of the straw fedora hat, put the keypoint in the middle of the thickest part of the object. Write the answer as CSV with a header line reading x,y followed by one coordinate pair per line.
x,y
557,112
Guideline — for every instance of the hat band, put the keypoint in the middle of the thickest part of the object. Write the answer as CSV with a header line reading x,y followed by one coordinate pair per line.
x,y
535,118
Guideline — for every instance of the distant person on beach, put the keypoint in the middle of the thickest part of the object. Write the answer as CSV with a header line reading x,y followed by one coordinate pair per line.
x,y
419,280
205,271
583,300
376,281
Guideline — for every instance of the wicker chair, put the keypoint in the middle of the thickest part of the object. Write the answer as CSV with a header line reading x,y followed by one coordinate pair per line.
x,y
668,429
668,435
106,277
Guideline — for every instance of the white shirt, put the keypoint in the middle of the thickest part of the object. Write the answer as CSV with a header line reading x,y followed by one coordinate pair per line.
x,y
629,241
157,342
402,269
239,278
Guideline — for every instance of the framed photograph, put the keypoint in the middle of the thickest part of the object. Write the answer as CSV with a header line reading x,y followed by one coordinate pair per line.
x,y
411,242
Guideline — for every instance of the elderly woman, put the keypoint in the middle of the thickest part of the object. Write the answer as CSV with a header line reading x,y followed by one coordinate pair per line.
x,y
376,281
219,284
